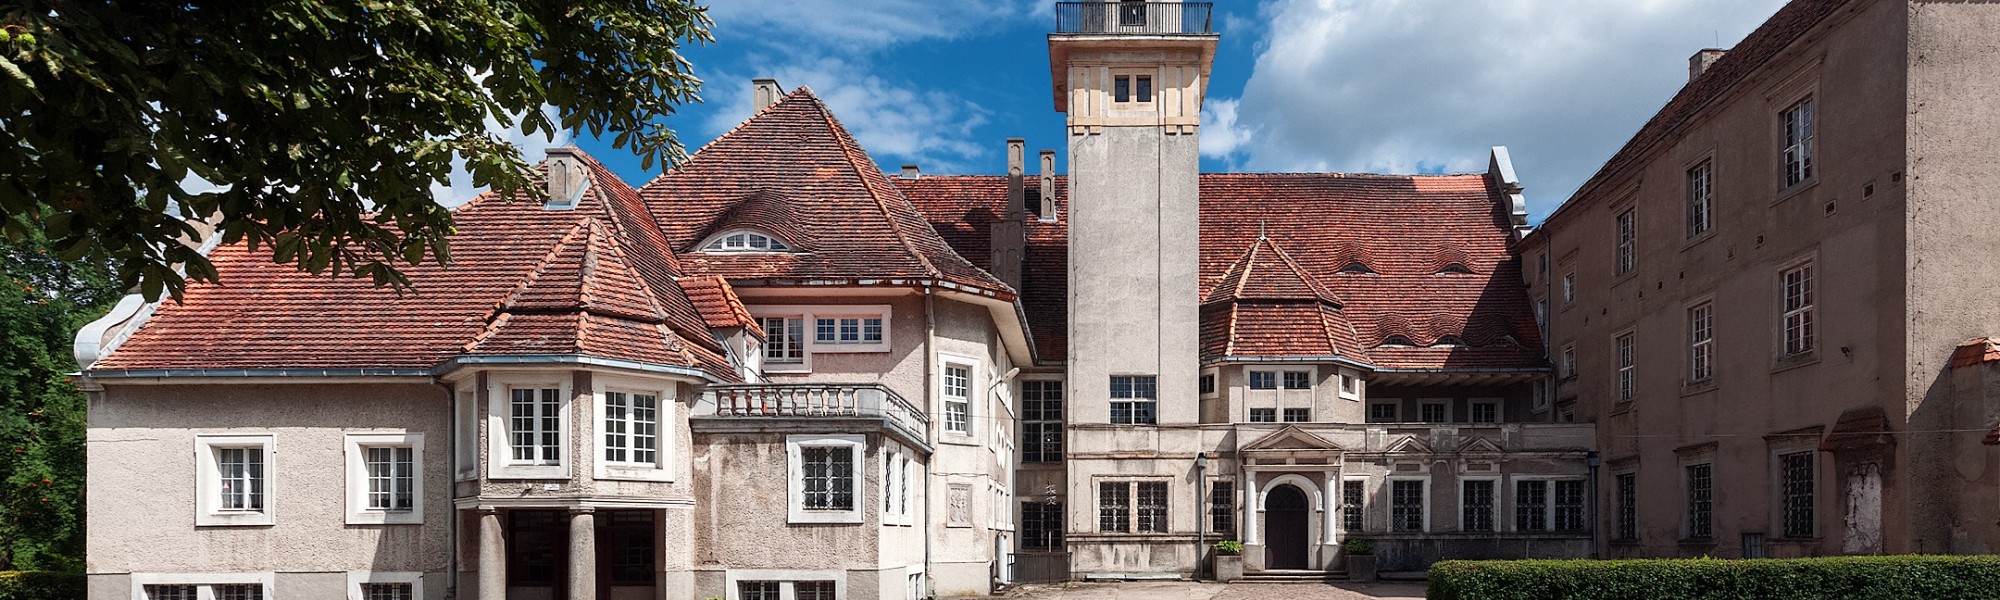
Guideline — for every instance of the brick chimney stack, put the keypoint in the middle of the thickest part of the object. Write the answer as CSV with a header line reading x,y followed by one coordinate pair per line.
x,y
1701,61
764,92
1010,236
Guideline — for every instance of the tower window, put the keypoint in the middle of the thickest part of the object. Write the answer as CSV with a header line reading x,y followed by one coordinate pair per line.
x,y
1132,88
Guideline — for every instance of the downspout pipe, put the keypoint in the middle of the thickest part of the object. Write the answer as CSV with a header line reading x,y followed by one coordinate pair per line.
x,y
930,368
451,524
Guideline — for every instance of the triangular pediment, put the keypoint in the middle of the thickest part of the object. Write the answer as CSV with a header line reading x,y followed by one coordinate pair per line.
x,y
1291,438
1410,444
1478,444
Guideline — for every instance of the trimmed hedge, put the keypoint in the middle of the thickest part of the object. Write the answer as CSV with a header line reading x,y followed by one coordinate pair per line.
x,y
40,585
1831,578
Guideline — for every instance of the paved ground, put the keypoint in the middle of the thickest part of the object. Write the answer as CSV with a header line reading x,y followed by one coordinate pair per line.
x,y
1186,590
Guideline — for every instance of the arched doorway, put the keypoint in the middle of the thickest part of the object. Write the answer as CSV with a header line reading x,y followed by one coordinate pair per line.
x,y
1287,519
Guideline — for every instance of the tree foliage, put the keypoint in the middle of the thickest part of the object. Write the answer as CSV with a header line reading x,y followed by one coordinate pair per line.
x,y
326,122
43,301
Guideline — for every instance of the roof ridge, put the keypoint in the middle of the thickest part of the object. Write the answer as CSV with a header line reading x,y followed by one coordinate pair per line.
x,y
541,268
587,278
847,149
732,131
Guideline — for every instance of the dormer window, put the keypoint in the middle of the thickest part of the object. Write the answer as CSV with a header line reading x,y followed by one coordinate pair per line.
x,y
1357,268
1450,341
1397,340
1455,268
745,241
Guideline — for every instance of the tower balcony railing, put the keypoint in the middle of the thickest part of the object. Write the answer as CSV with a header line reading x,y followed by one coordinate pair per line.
x,y
820,400
1136,18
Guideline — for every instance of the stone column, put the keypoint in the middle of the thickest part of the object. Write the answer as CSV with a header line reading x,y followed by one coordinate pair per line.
x,y
1251,535
492,556
582,554
1330,501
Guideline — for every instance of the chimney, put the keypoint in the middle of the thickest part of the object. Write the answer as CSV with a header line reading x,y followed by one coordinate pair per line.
x,y
1009,234
1700,62
764,92
566,179
1048,209
910,171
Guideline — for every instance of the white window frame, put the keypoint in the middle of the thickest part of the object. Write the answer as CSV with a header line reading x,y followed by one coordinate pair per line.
x,y
1445,402
358,512
897,470
1625,357
974,393
205,581
1700,197
1807,311
465,431
1389,492
1210,383
1475,403
1803,148
809,316
720,243
1352,387
208,486
795,483
1625,238
804,364
499,440
1701,341
786,578
1493,512
666,433
355,579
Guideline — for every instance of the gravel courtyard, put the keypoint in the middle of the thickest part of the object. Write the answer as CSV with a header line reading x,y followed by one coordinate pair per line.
x,y
1186,590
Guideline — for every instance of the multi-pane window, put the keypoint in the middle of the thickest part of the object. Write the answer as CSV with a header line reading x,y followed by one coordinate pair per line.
x,y
1484,412
1208,384
1222,507
1298,380
813,590
535,425
1353,497
1700,197
1700,502
1569,361
957,398
1134,398
1798,156
1477,505
1152,511
1569,505
1432,412
241,477
239,591
388,591
1628,507
1621,349
1531,505
631,428
1406,505
232,591
847,330
758,590
1382,412
1569,288
1628,242
1041,421
1796,484
784,339
171,592
1114,507
630,542
1798,285
746,242
392,479
1041,526
1263,380
1701,342
1263,415
1132,88
1298,415
829,477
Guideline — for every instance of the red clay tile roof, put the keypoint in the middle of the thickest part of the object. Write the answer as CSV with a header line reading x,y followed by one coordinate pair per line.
x,y
1975,351
719,304
1865,427
1405,229
1790,23
522,277
963,208
792,170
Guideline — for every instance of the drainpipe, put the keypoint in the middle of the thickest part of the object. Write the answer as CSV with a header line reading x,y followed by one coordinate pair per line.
x,y
1592,460
1200,510
930,365
451,524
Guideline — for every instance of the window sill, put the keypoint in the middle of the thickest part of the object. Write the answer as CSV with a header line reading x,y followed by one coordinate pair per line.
x,y
1787,362
1621,407
256,519
1698,387
620,473
530,472
1795,190
957,439
1623,278
826,517
370,517
1698,238
785,368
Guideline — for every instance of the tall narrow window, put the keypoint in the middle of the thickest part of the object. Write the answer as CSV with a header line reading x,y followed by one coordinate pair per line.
x,y
1569,288
1701,343
392,478
1152,507
1798,284
784,339
535,425
829,477
1121,89
1797,486
1628,507
1406,505
1569,505
1628,242
1569,361
1622,348
1041,421
241,473
1477,505
1700,197
1142,88
631,428
1134,399
1353,498
1700,502
1114,507
957,398
1798,157
1531,505
1041,526
1222,507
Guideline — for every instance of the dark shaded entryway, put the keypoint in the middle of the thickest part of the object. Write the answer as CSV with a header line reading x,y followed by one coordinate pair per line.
x,y
1287,515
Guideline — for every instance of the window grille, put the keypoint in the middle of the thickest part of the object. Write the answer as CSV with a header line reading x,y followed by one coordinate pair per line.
x,y
1477,505
829,477
1700,502
1797,469
1406,505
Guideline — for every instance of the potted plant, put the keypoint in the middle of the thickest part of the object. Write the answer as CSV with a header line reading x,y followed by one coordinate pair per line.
x,y
1360,559
1228,560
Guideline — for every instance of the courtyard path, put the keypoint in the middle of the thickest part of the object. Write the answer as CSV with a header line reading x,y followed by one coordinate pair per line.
x,y
1187,590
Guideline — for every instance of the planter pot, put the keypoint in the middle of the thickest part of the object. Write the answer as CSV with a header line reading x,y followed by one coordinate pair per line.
x,y
1228,568
1361,568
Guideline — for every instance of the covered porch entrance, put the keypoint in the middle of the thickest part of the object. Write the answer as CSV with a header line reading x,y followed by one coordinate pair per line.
x,y
568,554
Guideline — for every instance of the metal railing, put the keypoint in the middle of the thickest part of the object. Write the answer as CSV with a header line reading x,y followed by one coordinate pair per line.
x,y
809,400
1137,18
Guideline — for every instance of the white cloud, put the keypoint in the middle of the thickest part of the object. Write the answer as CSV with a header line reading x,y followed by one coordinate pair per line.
x,y
1221,133
532,147
1429,85
852,25
895,121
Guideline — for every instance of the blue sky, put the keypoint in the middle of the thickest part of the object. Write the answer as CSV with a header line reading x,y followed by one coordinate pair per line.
x,y
1385,86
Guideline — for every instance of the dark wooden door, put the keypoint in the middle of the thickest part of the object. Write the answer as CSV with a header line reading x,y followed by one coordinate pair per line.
x,y
1286,519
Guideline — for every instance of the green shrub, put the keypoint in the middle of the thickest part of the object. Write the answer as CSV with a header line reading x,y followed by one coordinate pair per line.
x,y
1832,578
1359,546
1229,547
40,585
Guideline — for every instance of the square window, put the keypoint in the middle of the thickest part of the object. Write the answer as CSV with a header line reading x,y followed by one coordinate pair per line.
x,y
1433,412
1263,415
1263,380
385,478
234,478
1382,412
1298,415
1298,380
825,473
1134,399
1208,384
1485,412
